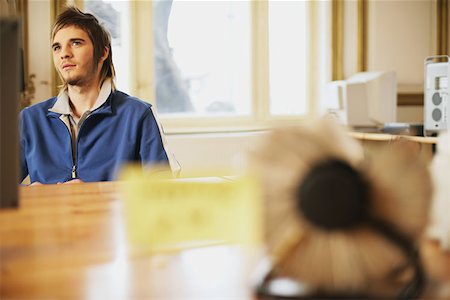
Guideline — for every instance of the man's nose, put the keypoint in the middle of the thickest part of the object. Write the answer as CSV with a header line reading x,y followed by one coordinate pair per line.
x,y
65,52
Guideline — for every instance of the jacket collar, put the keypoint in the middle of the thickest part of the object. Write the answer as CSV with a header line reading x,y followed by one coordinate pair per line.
x,y
62,106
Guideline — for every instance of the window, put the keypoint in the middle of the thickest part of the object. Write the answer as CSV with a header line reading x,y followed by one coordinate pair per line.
x,y
288,57
219,65
202,57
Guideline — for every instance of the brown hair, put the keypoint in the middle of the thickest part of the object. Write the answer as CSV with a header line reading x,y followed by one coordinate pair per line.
x,y
99,36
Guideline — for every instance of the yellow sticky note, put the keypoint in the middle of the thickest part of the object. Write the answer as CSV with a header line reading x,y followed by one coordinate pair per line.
x,y
160,213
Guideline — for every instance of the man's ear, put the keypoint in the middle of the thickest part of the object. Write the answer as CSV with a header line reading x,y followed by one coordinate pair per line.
x,y
105,54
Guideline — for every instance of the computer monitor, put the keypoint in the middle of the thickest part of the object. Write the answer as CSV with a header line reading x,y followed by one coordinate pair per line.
x,y
366,99
9,108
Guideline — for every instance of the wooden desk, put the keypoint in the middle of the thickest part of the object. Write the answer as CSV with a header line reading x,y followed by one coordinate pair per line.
x,y
373,141
67,242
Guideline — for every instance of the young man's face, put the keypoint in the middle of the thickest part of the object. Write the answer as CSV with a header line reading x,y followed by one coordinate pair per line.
x,y
73,56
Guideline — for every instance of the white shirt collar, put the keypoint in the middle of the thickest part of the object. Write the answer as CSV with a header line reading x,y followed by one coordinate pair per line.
x,y
62,105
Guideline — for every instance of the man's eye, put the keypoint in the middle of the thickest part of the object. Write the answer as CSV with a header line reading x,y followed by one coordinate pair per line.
x,y
76,43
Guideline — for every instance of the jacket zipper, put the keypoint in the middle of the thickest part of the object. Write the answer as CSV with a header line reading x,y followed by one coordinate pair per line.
x,y
74,150
74,155
74,167
74,172
75,160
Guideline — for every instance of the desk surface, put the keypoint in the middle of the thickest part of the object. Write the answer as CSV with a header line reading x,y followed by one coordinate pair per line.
x,y
384,137
67,241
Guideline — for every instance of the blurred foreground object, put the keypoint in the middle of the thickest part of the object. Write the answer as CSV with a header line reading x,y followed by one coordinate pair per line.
x,y
339,222
169,214
9,109
440,169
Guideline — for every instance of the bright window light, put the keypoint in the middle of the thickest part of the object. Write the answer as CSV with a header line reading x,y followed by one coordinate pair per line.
x,y
203,57
288,46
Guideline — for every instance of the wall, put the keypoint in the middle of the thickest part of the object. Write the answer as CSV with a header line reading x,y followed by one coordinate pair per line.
x,y
410,114
213,151
400,35
39,48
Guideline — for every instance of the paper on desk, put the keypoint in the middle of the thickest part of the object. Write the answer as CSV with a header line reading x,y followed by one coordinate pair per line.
x,y
163,212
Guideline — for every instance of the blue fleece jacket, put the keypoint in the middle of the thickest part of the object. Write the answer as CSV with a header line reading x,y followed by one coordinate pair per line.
x,y
123,129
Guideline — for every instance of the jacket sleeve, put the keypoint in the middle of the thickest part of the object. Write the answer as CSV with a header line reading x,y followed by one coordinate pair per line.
x,y
23,161
152,148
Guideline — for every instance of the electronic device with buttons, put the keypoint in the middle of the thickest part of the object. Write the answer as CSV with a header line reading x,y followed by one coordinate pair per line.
x,y
436,95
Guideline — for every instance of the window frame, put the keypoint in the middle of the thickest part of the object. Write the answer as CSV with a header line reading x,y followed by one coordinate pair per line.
x,y
143,80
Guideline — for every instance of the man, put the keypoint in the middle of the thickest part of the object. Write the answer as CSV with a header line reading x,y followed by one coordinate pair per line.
x,y
90,129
